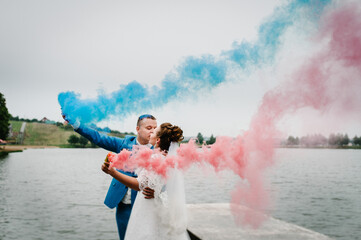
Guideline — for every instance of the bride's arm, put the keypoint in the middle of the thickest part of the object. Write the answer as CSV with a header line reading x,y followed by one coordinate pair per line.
x,y
128,181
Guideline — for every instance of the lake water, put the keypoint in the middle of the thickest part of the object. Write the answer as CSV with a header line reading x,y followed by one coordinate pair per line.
x,y
59,193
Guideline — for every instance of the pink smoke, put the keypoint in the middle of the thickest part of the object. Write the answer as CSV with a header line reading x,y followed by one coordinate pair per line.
x,y
329,80
226,154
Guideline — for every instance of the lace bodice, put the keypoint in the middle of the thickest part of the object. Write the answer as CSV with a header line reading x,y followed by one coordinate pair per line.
x,y
154,181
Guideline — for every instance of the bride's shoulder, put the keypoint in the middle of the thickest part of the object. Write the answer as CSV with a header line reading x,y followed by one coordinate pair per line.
x,y
157,155
140,171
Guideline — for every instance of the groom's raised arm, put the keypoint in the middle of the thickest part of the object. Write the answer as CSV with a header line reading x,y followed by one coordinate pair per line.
x,y
109,143
113,144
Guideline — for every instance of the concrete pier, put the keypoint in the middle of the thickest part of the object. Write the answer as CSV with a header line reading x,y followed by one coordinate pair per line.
x,y
214,221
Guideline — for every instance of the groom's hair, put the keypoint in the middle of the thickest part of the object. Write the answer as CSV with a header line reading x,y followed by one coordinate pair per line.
x,y
143,117
169,133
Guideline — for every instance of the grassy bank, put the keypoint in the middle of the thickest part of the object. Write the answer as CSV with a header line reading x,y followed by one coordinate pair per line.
x,y
46,134
41,134
16,126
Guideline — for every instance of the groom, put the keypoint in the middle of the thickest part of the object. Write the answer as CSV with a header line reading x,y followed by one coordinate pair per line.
x,y
119,195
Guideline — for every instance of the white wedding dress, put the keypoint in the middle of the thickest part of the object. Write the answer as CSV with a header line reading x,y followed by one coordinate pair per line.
x,y
164,216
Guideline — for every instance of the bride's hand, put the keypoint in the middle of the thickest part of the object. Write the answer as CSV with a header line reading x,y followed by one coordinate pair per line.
x,y
148,193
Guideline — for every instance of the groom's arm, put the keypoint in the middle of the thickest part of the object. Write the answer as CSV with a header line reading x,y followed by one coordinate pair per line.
x,y
113,144
109,143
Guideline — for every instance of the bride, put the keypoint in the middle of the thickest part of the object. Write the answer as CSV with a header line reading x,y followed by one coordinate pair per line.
x,y
164,216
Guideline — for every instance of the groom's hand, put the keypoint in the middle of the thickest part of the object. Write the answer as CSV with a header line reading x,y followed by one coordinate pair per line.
x,y
66,121
148,193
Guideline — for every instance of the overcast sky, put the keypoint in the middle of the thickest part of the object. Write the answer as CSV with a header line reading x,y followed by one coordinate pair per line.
x,y
47,47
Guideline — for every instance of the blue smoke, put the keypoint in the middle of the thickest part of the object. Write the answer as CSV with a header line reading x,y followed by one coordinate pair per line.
x,y
270,33
194,73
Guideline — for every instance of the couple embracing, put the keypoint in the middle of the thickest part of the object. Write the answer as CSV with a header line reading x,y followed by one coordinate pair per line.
x,y
160,213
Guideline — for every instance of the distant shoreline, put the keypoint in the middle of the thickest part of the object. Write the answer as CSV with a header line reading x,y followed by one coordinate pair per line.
x,y
20,148
320,147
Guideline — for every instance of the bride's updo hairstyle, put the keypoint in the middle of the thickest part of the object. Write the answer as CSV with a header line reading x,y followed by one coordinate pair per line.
x,y
167,134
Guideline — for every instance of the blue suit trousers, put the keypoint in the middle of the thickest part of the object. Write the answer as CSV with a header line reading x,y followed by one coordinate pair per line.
x,y
122,216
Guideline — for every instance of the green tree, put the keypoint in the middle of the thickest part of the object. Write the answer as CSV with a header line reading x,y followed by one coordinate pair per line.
x,y
293,140
14,118
334,140
356,140
345,140
4,118
200,138
211,140
83,141
73,140
338,140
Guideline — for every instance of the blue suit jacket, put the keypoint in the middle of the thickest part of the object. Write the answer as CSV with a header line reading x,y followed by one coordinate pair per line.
x,y
116,190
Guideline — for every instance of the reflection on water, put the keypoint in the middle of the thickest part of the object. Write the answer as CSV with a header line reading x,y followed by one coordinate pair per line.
x,y
59,193
3,155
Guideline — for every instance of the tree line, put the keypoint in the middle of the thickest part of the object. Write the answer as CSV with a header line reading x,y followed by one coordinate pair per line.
x,y
318,140
200,139
17,118
80,141
4,118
